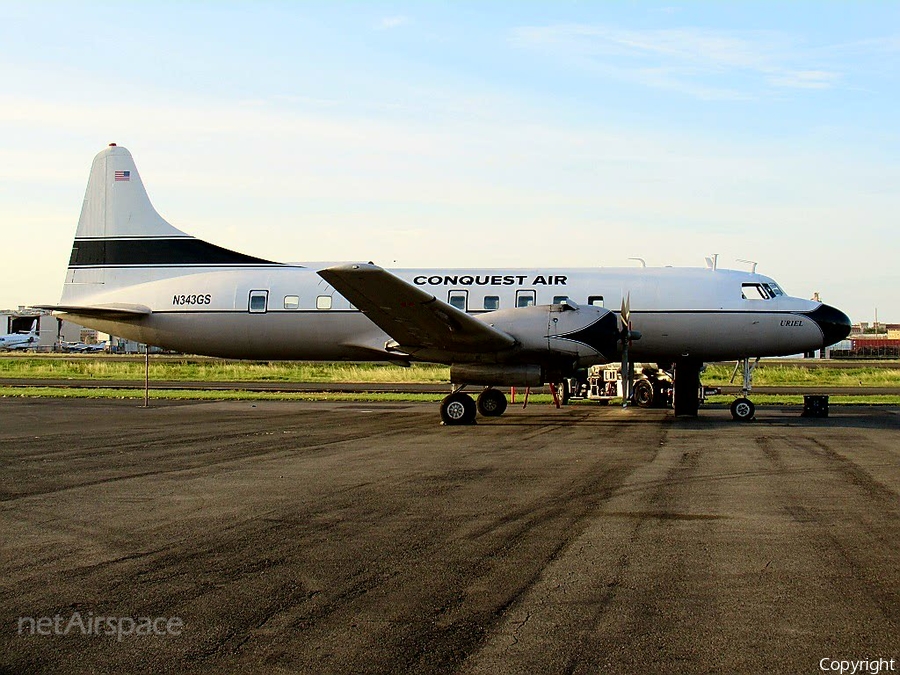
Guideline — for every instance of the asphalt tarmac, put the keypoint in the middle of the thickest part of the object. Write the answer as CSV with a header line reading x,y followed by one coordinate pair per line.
x,y
294,537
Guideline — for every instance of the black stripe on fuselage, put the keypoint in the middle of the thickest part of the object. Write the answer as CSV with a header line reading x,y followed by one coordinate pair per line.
x,y
137,252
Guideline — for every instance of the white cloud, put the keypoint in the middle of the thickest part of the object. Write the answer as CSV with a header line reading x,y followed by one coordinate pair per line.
x,y
699,62
389,22
805,79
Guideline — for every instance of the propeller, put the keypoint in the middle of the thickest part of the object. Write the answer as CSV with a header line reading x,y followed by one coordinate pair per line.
x,y
627,336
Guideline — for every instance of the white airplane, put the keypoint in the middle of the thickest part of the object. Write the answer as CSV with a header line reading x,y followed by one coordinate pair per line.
x,y
133,274
20,340
81,347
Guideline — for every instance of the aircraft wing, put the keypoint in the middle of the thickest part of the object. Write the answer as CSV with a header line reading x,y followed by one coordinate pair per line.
x,y
113,310
413,317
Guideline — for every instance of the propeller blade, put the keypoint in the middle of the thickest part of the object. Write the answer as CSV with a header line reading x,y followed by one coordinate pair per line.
x,y
627,336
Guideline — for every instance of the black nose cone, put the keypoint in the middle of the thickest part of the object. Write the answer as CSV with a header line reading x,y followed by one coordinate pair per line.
x,y
835,325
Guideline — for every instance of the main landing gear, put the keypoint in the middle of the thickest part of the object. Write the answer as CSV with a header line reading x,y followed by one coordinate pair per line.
x,y
491,402
742,408
459,408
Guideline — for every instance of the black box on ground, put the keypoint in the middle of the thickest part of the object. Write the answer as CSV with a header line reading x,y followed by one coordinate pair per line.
x,y
815,406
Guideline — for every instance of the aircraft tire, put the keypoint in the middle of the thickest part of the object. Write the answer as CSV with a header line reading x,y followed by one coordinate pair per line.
x,y
643,394
491,402
742,409
458,408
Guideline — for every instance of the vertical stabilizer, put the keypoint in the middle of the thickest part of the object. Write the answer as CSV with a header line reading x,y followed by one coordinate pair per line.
x,y
122,241
116,203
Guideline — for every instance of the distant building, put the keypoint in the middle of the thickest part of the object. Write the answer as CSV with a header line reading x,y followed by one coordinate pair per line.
x,y
55,333
51,330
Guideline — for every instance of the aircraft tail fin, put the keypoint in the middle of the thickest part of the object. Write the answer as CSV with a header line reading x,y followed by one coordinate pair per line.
x,y
122,241
116,203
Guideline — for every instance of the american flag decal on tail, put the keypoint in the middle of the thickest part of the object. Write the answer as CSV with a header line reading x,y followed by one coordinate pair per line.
x,y
123,175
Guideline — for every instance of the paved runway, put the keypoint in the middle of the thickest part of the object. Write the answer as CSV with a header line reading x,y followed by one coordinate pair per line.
x,y
354,538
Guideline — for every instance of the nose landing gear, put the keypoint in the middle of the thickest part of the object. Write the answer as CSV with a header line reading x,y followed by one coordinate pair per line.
x,y
742,408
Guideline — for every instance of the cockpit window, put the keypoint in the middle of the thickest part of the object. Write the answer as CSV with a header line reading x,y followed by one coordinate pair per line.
x,y
754,292
773,289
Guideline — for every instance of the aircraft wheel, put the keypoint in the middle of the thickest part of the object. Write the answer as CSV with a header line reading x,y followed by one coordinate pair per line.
x,y
458,408
643,394
491,402
742,409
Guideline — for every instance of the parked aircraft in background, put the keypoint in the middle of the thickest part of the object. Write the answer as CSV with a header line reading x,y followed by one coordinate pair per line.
x,y
133,274
81,347
21,340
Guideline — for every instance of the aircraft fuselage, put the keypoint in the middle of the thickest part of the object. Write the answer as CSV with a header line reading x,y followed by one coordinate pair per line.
x,y
679,312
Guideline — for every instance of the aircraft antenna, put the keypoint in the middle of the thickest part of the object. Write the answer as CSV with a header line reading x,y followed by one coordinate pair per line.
x,y
752,264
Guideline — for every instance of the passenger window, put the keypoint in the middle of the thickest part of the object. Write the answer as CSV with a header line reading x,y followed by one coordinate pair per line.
x,y
458,299
492,302
258,301
323,302
292,302
595,300
560,299
525,298
753,292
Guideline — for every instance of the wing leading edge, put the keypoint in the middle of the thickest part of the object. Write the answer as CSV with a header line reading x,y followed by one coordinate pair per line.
x,y
414,318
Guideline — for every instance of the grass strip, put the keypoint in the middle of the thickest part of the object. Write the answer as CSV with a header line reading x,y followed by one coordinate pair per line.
x,y
220,371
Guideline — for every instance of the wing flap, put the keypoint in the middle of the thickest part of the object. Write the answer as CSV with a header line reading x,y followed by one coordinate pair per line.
x,y
410,315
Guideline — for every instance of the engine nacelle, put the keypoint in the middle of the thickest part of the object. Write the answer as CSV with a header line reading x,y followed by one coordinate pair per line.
x,y
584,334
497,375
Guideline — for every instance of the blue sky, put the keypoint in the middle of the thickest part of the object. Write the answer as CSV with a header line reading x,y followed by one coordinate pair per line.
x,y
469,134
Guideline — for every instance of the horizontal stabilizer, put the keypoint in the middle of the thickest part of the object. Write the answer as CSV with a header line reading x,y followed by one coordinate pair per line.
x,y
113,310
411,316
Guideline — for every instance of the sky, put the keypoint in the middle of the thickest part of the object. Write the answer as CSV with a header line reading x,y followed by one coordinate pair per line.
x,y
467,134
